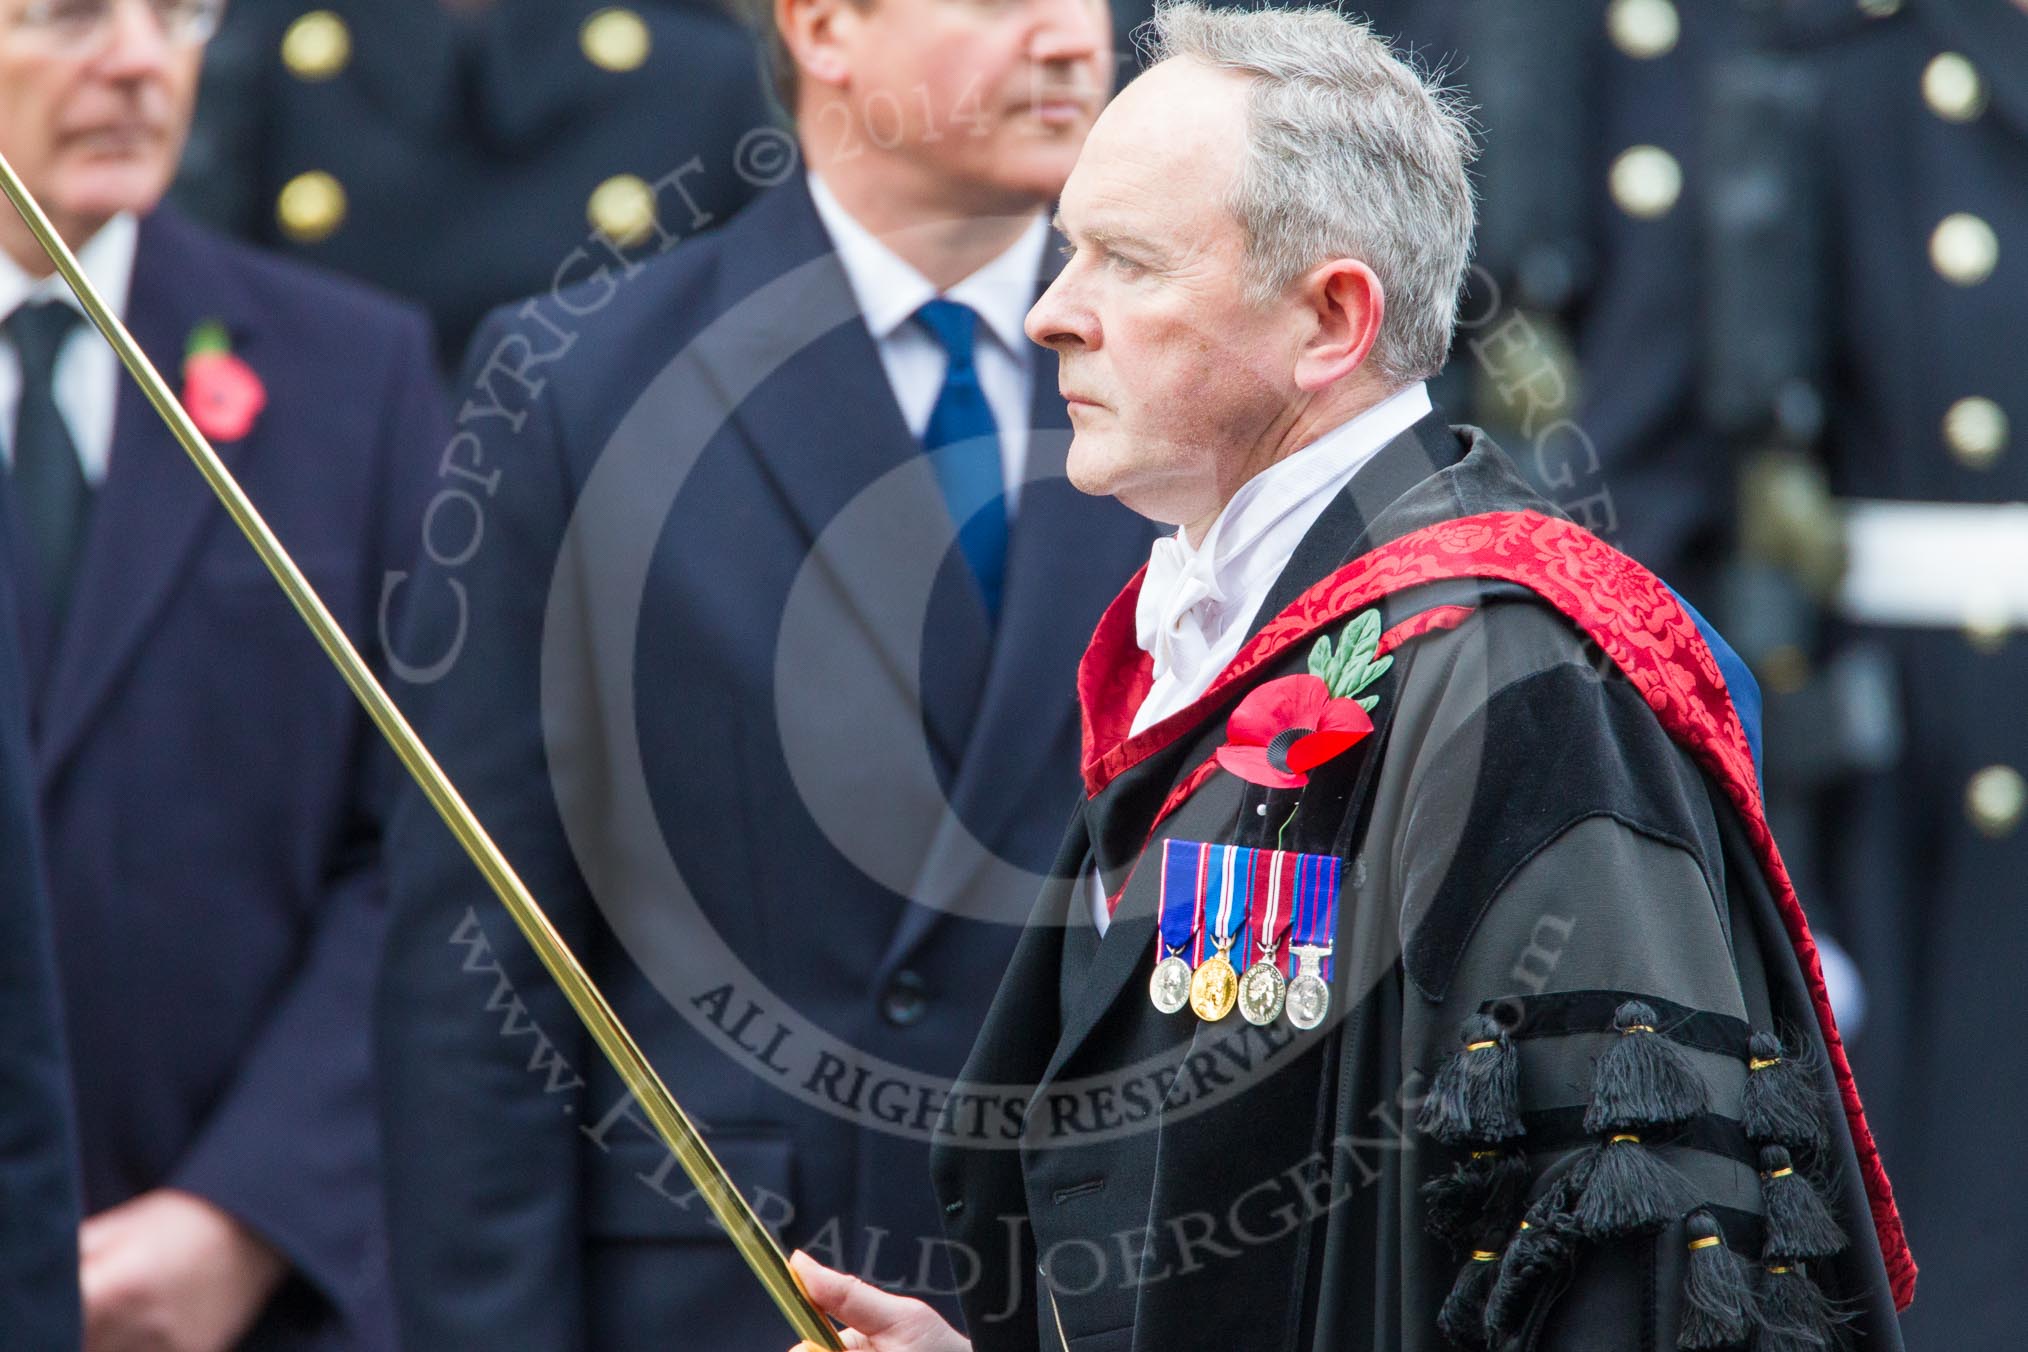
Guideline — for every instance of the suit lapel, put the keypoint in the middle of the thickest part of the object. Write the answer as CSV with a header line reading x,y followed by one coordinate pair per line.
x,y
153,507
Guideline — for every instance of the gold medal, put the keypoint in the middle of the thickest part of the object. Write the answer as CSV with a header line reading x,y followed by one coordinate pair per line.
x,y
1169,987
1214,988
1261,994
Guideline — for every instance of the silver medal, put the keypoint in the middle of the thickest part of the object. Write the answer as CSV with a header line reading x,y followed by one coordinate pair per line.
x,y
1169,987
1261,992
1309,999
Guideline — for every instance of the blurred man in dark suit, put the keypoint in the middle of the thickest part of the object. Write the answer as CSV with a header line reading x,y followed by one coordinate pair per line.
x,y
456,151
209,793
797,861
38,1175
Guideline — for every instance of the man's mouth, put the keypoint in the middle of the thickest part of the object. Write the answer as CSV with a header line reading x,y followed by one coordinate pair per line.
x,y
121,138
1057,105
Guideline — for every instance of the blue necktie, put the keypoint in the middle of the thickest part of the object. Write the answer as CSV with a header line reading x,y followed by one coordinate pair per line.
x,y
964,447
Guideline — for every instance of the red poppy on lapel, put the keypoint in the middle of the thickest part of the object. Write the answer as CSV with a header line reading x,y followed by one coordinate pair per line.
x,y
223,395
1288,727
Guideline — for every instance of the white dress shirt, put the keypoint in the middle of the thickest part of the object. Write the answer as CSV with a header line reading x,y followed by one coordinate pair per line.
x,y
87,371
889,292
1197,603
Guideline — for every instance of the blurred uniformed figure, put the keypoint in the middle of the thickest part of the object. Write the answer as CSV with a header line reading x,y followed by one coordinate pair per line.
x,y
457,151
1770,260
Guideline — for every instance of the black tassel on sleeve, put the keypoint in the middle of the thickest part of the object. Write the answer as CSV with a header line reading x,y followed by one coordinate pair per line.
x,y
1539,1258
1799,1225
1718,1308
1783,1104
1644,1079
1462,1318
1630,1190
1792,1314
1489,1186
1475,1096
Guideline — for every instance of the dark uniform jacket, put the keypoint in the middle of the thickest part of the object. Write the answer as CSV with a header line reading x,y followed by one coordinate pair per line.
x,y
462,161
1860,253
1522,840
718,684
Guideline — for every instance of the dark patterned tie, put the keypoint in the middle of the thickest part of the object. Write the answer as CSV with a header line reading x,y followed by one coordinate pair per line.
x,y
50,491
964,444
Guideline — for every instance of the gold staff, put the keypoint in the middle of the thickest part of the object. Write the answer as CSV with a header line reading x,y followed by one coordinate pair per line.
x,y
755,1244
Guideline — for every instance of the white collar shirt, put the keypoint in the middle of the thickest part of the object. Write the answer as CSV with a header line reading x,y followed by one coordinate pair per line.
x,y
889,292
87,371
1196,603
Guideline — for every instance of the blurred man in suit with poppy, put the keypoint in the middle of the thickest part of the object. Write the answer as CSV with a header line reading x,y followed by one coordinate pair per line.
x,y
207,790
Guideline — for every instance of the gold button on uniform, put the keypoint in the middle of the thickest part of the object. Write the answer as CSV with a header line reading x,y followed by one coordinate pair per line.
x,y
615,40
1879,9
1963,249
317,46
623,210
1989,619
1646,181
1994,800
1975,428
311,207
1952,88
1643,29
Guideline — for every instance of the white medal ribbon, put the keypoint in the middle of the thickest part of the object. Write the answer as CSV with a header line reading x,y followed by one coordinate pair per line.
x,y
1272,909
1220,927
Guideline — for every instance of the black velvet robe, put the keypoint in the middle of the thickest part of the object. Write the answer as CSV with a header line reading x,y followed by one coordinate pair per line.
x,y
1521,837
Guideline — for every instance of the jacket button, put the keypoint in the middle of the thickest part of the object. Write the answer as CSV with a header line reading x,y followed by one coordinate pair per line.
x,y
1963,249
317,46
1975,429
1643,29
1645,182
1952,88
905,1000
311,207
1995,800
616,40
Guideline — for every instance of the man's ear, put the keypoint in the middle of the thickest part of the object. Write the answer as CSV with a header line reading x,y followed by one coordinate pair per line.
x,y
1344,303
811,30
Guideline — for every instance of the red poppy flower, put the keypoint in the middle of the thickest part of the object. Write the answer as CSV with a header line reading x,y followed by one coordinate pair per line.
x,y
223,394
1288,727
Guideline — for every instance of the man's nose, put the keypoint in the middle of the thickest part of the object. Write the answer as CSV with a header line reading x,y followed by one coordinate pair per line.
x,y
1059,321
1070,30
138,42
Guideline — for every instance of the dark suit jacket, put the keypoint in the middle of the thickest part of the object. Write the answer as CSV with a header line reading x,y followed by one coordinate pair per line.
x,y
739,807
211,794
38,1176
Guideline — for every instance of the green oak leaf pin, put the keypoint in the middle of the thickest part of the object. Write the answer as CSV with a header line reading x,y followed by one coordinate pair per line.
x,y
1351,666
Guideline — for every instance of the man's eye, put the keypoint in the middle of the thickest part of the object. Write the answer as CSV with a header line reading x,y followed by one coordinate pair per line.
x,y
1125,266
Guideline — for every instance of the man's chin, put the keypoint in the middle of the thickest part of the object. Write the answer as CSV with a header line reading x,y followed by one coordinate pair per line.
x,y
105,187
1090,467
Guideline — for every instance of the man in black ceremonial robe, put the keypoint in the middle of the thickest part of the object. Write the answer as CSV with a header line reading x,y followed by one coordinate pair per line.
x,y
1420,971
